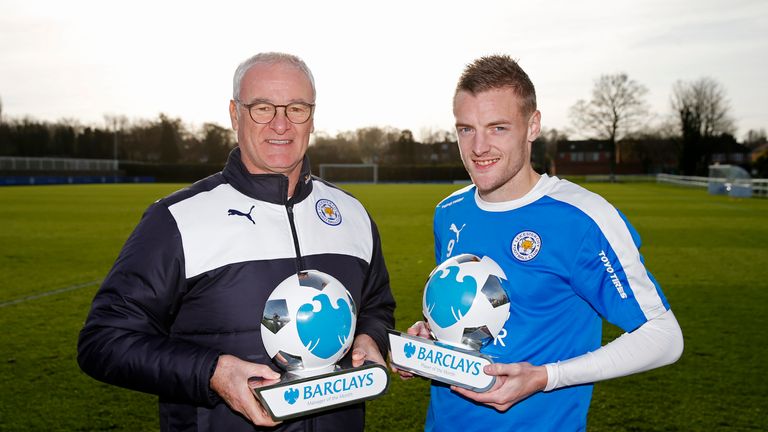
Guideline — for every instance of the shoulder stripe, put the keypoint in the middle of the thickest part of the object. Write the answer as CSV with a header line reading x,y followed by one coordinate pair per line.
x,y
615,230
452,196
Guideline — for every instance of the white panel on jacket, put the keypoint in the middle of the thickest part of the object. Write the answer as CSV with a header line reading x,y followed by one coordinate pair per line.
x,y
222,226
331,221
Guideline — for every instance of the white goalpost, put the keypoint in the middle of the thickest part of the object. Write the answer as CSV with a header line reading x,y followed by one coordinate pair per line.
x,y
357,173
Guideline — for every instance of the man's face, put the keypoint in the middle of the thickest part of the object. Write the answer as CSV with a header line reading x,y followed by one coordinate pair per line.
x,y
277,146
495,142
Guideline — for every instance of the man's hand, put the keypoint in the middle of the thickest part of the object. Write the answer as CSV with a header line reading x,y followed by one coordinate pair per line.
x,y
365,348
420,329
514,382
230,381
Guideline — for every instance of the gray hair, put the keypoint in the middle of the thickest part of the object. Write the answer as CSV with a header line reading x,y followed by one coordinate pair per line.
x,y
270,58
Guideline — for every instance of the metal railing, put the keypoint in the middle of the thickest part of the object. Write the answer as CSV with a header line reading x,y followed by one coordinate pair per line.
x,y
759,186
620,178
11,163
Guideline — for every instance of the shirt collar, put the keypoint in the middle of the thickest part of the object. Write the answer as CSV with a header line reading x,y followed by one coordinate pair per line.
x,y
271,188
541,188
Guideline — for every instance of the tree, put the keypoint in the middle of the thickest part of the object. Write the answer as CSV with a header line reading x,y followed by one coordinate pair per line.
x,y
760,167
337,149
372,141
544,149
170,137
431,136
702,112
755,138
217,142
441,146
117,124
617,106
405,149
63,140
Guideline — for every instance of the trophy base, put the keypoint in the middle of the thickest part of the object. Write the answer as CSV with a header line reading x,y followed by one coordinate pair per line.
x,y
296,396
441,362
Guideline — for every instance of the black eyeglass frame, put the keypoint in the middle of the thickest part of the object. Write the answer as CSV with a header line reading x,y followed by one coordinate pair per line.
x,y
274,114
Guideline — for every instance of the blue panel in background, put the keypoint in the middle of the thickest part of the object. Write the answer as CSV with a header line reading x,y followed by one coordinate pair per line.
x,y
58,180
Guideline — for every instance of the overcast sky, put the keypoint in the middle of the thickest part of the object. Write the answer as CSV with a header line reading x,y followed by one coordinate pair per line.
x,y
392,63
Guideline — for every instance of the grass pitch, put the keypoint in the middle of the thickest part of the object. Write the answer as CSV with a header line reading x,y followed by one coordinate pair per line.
x,y
709,253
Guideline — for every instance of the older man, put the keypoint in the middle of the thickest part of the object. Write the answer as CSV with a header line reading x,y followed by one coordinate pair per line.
x,y
179,314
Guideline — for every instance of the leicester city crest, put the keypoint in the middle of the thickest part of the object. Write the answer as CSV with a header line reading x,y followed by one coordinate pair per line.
x,y
526,245
328,212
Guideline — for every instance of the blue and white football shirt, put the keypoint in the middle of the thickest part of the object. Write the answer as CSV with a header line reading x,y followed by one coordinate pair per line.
x,y
571,260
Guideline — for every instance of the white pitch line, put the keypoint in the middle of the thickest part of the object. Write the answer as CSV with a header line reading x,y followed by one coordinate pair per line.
x,y
49,293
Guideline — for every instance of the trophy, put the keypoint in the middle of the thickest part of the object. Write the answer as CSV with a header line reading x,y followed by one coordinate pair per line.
x,y
466,307
308,325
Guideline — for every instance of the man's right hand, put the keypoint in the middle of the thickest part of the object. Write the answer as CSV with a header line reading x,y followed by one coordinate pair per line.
x,y
230,381
420,329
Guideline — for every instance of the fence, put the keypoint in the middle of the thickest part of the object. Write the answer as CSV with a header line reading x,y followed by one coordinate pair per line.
x,y
63,180
19,171
620,178
8,163
759,186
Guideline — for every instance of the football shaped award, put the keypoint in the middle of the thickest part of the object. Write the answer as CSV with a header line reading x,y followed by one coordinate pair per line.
x,y
308,325
466,307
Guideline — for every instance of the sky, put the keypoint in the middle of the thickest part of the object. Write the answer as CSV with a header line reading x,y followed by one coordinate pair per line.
x,y
392,63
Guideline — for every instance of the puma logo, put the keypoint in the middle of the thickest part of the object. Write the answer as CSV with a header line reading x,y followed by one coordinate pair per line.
x,y
452,242
457,230
233,212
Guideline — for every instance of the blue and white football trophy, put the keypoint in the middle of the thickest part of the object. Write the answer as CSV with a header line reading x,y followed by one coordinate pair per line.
x,y
308,325
466,307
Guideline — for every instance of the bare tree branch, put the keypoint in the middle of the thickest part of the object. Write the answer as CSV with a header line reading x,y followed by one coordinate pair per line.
x,y
702,113
616,108
702,106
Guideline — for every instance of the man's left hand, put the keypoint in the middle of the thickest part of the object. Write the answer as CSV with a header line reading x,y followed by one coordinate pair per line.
x,y
365,348
514,382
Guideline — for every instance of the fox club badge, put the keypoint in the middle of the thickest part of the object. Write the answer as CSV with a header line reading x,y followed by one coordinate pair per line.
x,y
328,212
526,245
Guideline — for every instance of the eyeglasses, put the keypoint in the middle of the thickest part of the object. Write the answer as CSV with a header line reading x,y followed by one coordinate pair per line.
x,y
264,112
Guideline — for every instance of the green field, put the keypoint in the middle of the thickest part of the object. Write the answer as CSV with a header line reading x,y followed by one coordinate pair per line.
x,y
710,255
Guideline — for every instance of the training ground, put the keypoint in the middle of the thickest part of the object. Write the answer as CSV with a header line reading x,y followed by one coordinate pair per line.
x,y
709,253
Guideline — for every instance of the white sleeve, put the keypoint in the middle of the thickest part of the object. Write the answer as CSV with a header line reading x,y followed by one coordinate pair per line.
x,y
656,343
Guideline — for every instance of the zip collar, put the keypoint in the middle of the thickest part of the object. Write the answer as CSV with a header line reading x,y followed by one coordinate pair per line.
x,y
272,188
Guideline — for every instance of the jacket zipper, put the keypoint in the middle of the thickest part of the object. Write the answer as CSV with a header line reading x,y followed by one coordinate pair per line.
x,y
299,259
309,423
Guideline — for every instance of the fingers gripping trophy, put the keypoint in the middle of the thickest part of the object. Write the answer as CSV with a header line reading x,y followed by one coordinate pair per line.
x,y
308,325
465,306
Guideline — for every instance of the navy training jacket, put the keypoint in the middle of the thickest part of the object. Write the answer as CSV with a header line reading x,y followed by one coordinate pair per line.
x,y
192,279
